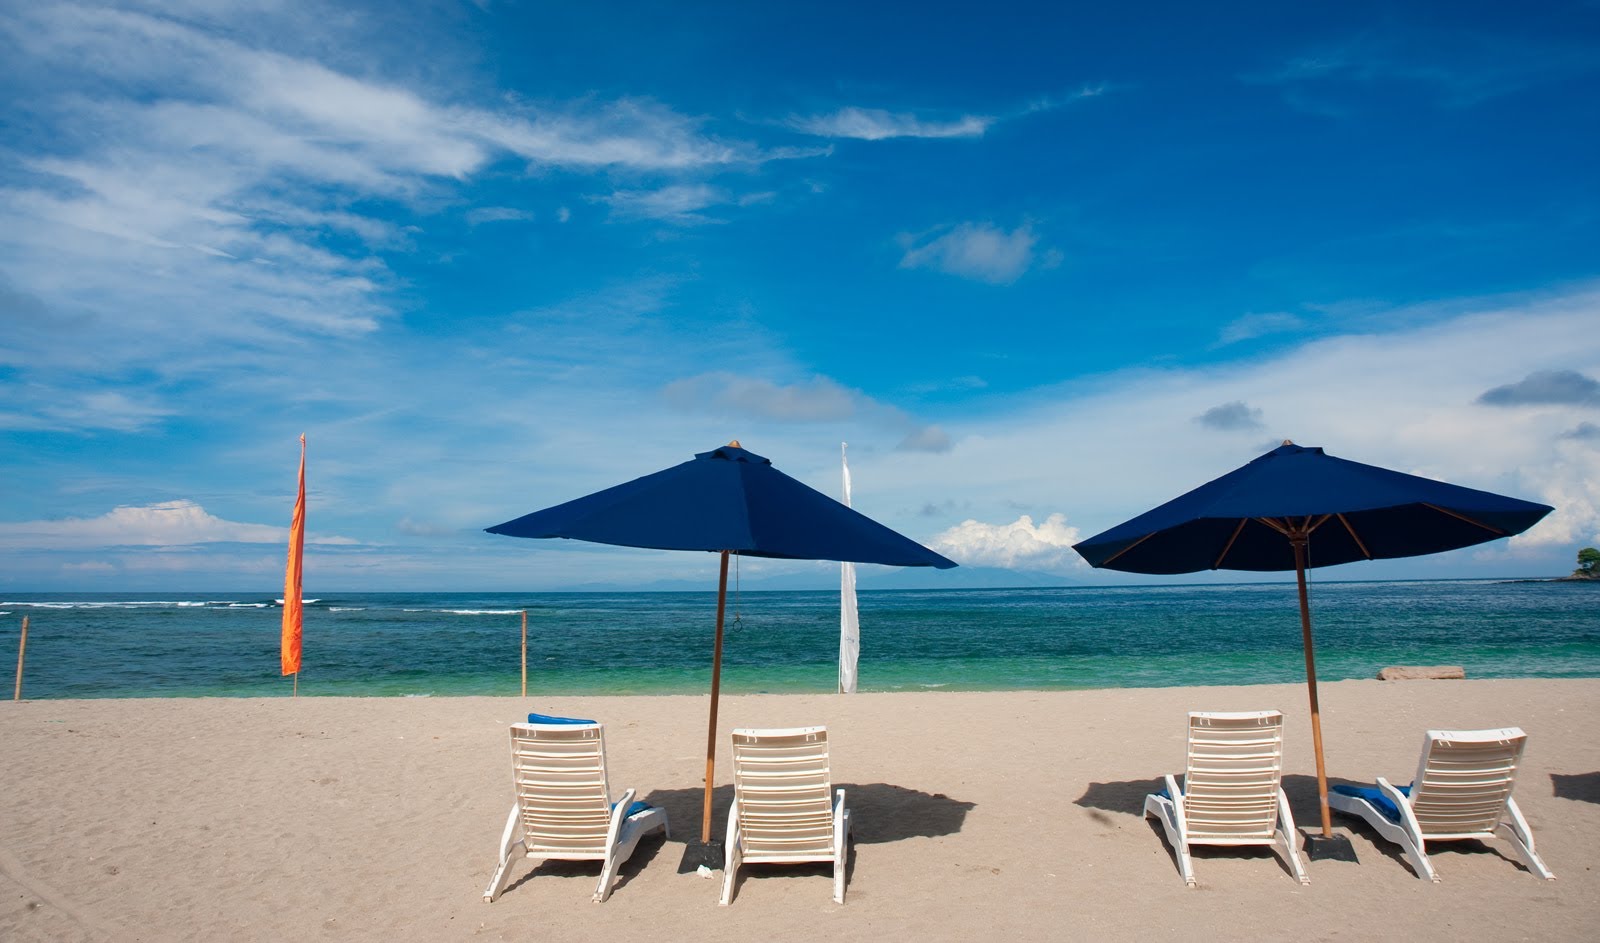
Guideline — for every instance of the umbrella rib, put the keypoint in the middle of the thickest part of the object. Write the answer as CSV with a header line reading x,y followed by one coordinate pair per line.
x,y
1108,560
1223,555
1463,517
1278,526
1355,537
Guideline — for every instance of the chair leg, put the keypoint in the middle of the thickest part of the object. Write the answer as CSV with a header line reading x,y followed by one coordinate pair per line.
x,y
730,873
841,858
1286,835
608,873
732,855
1185,864
1165,811
509,842
1417,854
1517,832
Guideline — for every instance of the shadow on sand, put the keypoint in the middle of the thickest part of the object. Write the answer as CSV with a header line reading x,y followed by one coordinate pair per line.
x,y
1584,787
879,812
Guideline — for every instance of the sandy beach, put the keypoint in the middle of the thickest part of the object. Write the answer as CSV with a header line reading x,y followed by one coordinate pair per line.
x,y
978,816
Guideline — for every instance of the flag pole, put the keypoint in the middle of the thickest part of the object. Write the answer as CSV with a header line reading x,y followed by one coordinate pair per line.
x,y
22,646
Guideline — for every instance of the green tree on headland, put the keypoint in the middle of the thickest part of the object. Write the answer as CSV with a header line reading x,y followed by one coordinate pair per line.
x,y
1588,563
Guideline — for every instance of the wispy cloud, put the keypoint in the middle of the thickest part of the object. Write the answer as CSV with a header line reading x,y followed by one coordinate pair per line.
x,y
680,204
477,216
1251,326
879,124
169,524
237,194
980,251
815,400
1546,387
1458,69
1020,545
875,124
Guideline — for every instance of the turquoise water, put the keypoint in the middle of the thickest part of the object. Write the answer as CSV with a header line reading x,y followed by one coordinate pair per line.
x,y
159,645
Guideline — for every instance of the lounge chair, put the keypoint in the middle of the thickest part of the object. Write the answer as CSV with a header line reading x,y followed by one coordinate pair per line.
x,y
563,808
1462,790
782,808
1231,793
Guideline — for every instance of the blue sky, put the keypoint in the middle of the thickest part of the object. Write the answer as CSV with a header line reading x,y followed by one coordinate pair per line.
x,y
1042,267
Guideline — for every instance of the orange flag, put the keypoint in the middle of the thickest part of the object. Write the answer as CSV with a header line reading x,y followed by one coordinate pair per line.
x,y
291,578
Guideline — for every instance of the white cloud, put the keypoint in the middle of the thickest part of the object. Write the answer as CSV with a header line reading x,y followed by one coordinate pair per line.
x,y
1107,448
1019,545
1251,326
195,183
980,251
873,124
479,215
680,203
169,524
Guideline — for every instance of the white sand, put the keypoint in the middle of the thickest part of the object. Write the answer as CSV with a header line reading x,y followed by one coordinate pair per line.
x,y
978,816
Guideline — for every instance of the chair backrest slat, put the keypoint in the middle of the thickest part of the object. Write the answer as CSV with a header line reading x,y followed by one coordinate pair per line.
x,y
560,776
781,781
1230,789
1464,779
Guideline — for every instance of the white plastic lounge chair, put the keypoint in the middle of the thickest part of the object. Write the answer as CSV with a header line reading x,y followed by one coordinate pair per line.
x,y
1462,790
564,809
782,810
1232,793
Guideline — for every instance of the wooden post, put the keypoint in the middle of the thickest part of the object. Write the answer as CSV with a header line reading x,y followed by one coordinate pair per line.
x,y
524,653
716,690
1298,541
22,647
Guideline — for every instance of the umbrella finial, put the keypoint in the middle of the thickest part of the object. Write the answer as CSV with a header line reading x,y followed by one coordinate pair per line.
x,y
735,444
1288,441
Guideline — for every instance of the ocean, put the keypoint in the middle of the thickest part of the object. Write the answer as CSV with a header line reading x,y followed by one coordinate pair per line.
x,y
444,644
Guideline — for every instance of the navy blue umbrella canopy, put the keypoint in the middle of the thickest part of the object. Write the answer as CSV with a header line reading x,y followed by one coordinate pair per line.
x,y
730,501
1350,511
727,499
1295,508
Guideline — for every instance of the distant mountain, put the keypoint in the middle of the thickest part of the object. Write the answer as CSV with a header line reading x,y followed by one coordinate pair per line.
x,y
867,578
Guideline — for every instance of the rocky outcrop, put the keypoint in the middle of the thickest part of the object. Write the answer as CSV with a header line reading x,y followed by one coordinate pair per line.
x,y
1422,673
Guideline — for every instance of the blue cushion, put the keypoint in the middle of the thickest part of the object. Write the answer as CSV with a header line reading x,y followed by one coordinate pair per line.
x,y
547,719
1375,796
636,808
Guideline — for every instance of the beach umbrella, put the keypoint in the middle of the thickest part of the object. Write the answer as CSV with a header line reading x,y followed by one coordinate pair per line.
x,y
728,501
1295,508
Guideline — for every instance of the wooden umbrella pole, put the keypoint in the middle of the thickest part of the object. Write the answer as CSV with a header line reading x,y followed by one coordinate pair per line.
x,y
716,690
22,647
524,653
1298,541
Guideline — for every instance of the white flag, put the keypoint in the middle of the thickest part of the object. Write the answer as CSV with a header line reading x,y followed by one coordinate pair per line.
x,y
849,624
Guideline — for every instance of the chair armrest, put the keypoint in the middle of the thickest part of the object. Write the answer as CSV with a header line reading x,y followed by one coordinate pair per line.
x,y
619,812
